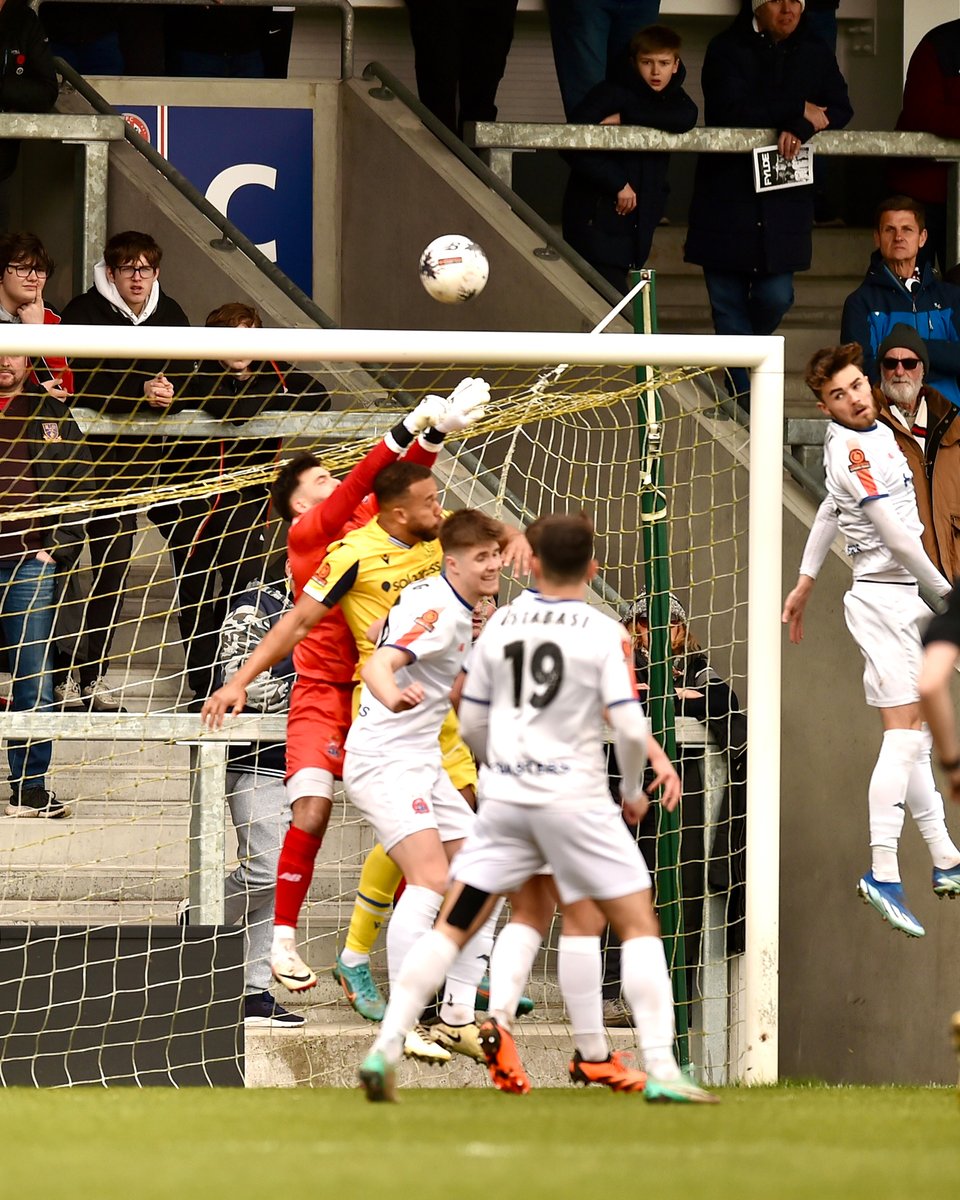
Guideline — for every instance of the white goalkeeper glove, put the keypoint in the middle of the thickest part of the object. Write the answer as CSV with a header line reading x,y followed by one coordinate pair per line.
x,y
465,405
427,413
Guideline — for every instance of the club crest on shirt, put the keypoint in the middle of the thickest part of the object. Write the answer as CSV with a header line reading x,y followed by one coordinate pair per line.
x,y
51,431
858,460
420,806
428,620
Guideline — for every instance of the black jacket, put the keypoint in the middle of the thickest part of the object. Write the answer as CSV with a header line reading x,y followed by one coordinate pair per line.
x,y
591,223
751,81
28,81
61,473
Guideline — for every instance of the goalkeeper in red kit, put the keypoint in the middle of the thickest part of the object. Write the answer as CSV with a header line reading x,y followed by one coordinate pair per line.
x,y
321,510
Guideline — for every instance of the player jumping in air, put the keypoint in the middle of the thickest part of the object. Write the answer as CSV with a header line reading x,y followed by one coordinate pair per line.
x,y
541,678
322,510
870,493
393,771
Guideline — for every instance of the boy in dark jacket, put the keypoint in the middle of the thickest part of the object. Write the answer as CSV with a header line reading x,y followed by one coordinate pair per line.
x,y
126,292
615,201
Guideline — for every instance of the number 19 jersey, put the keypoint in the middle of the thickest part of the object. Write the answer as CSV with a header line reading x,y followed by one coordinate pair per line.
x,y
547,669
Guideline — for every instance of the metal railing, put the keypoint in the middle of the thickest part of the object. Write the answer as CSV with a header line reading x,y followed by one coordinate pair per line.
x,y
347,19
500,140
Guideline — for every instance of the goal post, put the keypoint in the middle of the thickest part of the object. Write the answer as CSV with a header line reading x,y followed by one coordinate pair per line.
x,y
537,450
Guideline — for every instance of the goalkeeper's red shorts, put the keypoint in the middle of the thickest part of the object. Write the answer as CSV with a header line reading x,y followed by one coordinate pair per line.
x,y
317,725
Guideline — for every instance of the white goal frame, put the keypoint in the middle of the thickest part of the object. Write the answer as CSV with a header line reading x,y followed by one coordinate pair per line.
x,y
764,357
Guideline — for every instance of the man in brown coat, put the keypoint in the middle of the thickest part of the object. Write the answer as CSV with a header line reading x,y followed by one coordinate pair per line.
x,y
927,428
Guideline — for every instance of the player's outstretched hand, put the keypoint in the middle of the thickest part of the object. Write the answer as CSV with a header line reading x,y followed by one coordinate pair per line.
x,y
230,697
518,556
664,776
427,413
465,405
793,607
409,697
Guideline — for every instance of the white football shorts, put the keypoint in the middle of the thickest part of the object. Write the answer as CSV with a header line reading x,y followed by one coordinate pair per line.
x,y
399,797
592,853
885,621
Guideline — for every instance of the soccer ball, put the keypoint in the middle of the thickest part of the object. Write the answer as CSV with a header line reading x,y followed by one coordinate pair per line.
x,y
453,269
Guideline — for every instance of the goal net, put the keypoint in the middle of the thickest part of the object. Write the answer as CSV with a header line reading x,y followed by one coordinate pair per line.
x,y
163,532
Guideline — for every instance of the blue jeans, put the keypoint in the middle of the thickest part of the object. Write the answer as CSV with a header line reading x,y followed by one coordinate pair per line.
x,y
591,37
26,624
747,304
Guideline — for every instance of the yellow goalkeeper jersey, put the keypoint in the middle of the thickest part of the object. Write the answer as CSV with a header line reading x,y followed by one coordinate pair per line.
x,y
364,573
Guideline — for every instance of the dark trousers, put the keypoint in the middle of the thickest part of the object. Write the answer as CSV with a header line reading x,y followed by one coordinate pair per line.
x,y
214,556
746,304
460,53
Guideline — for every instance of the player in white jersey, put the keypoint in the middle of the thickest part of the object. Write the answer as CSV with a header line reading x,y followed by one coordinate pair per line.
x,y
870,495
393,769
546,670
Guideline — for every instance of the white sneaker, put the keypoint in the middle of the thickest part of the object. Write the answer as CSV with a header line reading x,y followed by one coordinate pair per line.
x,y
67,694
416,1046
289,968
100,698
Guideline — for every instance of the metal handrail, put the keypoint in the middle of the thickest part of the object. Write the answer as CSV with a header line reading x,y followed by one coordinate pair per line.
x,y
552,239
347,20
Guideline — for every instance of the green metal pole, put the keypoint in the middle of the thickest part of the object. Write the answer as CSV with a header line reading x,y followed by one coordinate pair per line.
x,y
660,707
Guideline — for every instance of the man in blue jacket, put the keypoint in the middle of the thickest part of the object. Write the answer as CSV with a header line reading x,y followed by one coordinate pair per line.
x,y
900,290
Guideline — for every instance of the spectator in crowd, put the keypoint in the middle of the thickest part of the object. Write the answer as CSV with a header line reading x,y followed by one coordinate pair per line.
x,y
42,461
126,292
258,802
822,19
214,41
768,69
701,693
28,81
614,201
901,289
275,45
931,104
87,36
220,536
25,267
591,40
460,52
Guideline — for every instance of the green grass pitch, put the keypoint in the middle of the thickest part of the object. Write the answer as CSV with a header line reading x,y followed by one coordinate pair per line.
x,y
774,1144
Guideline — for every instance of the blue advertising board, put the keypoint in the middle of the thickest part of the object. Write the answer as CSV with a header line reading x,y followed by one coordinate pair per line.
x,y
253,164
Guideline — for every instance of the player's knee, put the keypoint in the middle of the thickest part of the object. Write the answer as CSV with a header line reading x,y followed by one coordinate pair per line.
x,y
466,908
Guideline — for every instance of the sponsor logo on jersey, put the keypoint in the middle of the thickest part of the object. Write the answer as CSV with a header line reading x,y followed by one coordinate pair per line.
x,y
530,767
858,460
420,806
397,585
428,620
860,466
51,431
323,574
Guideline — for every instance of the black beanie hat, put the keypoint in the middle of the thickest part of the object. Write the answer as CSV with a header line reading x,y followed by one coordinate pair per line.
x,y
905,337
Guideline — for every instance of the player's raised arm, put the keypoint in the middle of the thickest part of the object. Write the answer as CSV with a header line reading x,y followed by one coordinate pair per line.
x,y
905,546
822,532
379,674
278,644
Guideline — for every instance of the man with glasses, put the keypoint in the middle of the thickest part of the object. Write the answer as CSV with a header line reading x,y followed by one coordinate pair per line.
x,y
126,292
899,288
25,267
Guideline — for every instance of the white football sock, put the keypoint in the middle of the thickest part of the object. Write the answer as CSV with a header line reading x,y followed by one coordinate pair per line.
x,y
353,958
926,807
646,986
414,915
284,933
424,966
580,975
887,798
511,962
460,991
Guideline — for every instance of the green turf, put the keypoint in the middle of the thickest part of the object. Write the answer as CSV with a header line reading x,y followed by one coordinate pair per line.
x,y
774,1144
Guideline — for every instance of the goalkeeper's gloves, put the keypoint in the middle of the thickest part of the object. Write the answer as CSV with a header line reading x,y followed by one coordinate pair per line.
x,y
428,412
464,406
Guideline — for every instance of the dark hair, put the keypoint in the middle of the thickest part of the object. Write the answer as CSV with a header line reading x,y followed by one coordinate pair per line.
x,y
901,204
828,361
288,480
25,248
655,39
466,528
125,248
396,480
229,316
564,545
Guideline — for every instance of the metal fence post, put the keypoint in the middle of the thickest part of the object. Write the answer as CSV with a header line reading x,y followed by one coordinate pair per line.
x,y
208,785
